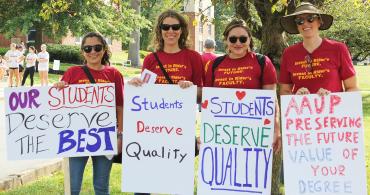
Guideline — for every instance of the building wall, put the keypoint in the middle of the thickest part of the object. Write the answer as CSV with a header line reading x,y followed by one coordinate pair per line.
x,y
199,29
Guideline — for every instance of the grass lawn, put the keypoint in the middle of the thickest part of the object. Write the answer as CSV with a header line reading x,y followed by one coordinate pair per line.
x,y
54,183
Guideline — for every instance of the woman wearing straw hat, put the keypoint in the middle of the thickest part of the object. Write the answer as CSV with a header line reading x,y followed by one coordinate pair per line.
x,y
315,65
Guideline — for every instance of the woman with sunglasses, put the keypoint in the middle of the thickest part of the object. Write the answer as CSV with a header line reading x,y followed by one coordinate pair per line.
x,y
96,53
170,42
240,68
315,65
43,66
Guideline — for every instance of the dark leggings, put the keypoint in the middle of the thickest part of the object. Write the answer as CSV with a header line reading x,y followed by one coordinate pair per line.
x,y
30,71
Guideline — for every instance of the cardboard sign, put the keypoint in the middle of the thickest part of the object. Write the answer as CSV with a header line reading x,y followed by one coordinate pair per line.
x,y
323,141
44,122
236,133
158,139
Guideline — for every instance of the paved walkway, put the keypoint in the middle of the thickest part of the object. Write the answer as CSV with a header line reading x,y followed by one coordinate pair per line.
x,y
17,173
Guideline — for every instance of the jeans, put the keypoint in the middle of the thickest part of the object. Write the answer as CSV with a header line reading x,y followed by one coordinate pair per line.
x,y
101,172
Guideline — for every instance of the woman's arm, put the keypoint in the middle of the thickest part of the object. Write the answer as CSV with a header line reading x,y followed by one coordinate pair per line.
x,y
350,84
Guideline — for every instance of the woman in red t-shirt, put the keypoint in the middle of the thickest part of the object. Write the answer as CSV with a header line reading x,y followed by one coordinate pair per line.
x,y
315,65
96,53
240,68
183,66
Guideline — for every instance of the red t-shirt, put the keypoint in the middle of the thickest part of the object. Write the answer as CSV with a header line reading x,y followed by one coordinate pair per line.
x,y
331,64
183,65
244,73
207,58
76,75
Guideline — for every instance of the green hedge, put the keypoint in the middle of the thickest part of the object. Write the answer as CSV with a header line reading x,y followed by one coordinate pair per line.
x,y
3,50
65,53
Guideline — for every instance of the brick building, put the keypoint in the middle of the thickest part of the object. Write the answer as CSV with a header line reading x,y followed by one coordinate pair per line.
x,y
200,29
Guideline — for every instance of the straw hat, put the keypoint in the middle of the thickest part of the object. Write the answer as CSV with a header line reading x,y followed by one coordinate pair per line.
x,y
288,24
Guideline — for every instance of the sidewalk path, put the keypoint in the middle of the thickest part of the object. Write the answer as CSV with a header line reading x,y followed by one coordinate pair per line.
x,y
17,173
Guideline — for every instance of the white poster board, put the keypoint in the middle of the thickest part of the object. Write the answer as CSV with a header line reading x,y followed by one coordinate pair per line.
x,y
158,139
323,141
236,133
44,122
56,64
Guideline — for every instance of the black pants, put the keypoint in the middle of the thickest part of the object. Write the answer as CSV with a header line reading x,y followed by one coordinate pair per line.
x,y
29,71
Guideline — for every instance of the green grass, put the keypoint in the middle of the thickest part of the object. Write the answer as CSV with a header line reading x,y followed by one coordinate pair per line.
x,y
363,77
54,184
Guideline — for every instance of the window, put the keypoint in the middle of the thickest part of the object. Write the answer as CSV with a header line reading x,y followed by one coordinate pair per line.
x,y
200,27
209,29
200,46
31,37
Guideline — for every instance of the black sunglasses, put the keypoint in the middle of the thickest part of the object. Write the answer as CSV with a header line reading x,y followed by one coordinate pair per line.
x,y
234,39
309,18
167,27
309,62
89,48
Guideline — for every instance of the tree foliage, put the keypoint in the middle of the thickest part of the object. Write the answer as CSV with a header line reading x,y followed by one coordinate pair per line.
x,y
150,9
55,18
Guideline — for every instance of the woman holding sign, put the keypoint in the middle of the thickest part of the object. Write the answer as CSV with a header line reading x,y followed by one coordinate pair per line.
x,y
254,70
172,61
96,54
315,65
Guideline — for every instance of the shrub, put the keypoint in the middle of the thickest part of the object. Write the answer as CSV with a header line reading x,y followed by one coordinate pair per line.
x,y
65,53
143,53
3,50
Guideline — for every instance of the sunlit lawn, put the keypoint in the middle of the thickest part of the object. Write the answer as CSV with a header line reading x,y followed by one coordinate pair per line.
x,y
54,184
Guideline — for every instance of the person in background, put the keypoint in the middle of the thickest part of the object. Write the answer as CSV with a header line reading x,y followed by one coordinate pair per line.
x,y
3,68
239,44
208,54
21,61
13,56
43,66
96,54
170,41
315,65
30,65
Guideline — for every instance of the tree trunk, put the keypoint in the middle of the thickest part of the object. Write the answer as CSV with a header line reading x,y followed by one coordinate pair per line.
x,y
134,46
39,36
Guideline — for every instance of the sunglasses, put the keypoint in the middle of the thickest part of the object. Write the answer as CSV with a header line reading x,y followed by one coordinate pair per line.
x,y
89,48
167,27
309,61
234,39
309,18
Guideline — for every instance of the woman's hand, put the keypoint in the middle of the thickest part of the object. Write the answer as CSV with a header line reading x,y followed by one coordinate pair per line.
x,y
135,82
302,91
60,84
276,143
323,92
185,84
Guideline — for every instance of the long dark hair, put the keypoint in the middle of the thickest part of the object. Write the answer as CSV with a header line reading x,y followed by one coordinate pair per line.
x,y
107,53
33,48
157,41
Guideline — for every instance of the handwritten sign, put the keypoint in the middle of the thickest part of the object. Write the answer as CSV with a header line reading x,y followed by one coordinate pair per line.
x,y
44,122
323,144
158,139
236,133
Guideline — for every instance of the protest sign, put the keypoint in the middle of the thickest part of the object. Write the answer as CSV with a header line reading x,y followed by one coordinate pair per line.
x,y
236,133
44,122
158,139
323,141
